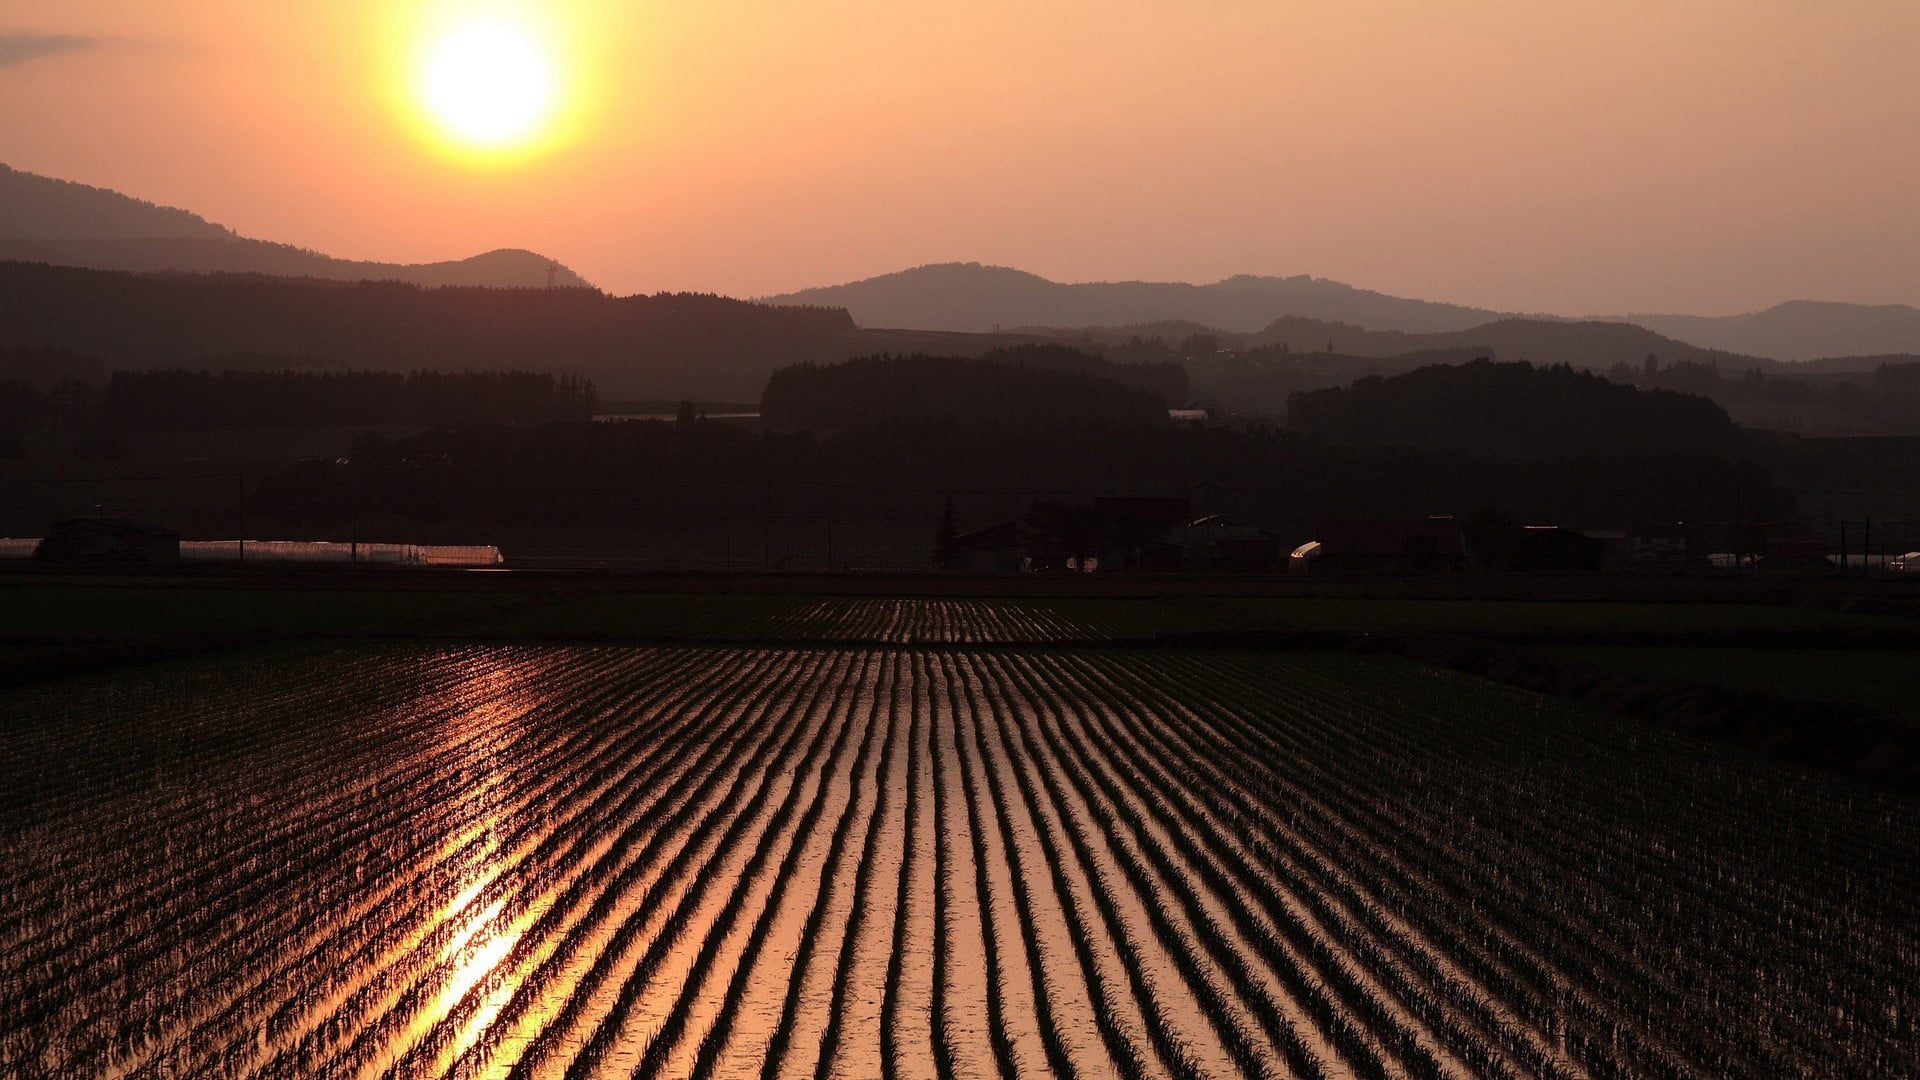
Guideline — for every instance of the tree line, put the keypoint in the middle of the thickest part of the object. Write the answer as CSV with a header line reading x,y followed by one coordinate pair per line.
x,y
101,417
207,401
1516,410
669,345
999,388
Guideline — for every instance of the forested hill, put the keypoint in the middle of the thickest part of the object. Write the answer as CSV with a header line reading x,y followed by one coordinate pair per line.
x,y
231,400
1799,329
670,345
878,391
1514,410
67,224
976,298
1595,346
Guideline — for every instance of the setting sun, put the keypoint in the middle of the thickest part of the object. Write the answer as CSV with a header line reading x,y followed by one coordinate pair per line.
x,y
488,85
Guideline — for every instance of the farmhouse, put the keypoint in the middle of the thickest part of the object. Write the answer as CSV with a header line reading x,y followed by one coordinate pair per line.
x,y
1435,545
1217,542
992,550
107,540
1557,549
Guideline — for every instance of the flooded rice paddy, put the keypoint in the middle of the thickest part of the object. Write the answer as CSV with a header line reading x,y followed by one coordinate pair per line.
x,y
919,861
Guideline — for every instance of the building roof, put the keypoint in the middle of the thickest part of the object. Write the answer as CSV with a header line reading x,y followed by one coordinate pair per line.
x,y
1433,536
1007,532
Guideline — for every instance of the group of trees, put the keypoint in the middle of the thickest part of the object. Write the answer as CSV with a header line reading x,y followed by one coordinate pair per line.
x,y
1063,387
670,345
680,479
1882,397
1513,410
97,420
205,401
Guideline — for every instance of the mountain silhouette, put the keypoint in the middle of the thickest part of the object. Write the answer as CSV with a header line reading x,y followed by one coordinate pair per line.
x,y
1593,344
664,346
971,297
1798,330
62,223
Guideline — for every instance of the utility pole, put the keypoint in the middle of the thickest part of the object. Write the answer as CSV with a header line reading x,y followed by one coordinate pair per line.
x,y
240,491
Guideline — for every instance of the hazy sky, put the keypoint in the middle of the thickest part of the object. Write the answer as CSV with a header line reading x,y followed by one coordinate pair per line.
x,y
1539,155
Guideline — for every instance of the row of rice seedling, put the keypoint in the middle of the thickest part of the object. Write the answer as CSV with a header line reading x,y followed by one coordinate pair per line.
x,y
1128,1023
399,933
865,900
910,935
1043,929
1535,867
523,863
394,930
922,861
764,882
719,891
1406,1021
610,859
623,786
1467,825
646,907
207,910
496,823
1236,1013
50,717
1235,1000
878,620
1338,842
1009,985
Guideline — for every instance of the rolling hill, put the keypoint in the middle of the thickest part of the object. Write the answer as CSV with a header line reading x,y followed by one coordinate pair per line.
x,y
67,224
972,297
1798,330
665,346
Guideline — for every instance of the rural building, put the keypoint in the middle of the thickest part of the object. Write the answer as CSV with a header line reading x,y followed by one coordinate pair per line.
x,y
1437,545
1556,549
1661,545
1138,516
107,540
992,550
1802,553
1154,555
1219,543
1114,533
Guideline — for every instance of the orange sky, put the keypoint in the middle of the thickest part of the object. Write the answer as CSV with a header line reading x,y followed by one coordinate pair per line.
x,y
1540,155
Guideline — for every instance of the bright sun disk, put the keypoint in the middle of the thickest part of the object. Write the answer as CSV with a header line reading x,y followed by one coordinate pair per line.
x,y
488,85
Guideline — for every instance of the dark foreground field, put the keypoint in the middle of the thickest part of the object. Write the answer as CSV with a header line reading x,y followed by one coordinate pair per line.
x,y
816,835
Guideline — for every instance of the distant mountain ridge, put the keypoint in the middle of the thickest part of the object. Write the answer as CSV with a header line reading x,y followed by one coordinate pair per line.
x,y
663,346
1593,344
63,223
971,297
1798,330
